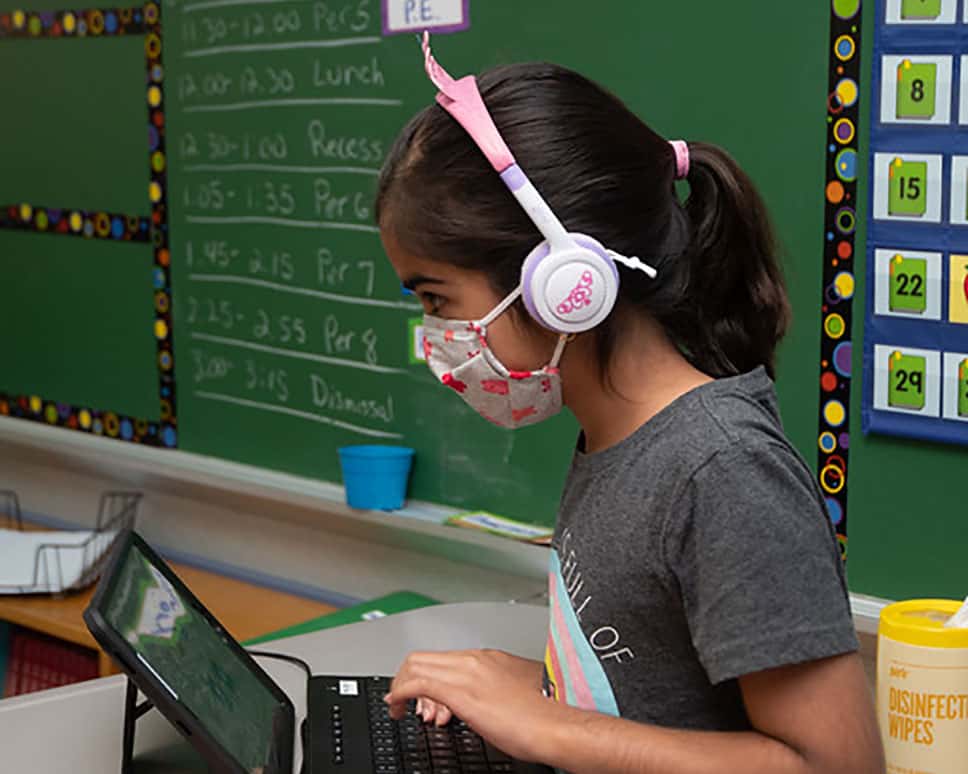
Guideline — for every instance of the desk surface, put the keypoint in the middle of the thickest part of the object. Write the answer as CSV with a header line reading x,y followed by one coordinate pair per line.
x,y
77,729
244,609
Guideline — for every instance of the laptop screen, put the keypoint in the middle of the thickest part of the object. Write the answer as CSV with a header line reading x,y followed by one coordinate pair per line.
x,y
194,661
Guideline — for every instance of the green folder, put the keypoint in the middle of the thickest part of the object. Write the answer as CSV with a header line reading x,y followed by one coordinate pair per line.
x,y
920,9
907,187
909,284
397,602
917,84
963,388
908,380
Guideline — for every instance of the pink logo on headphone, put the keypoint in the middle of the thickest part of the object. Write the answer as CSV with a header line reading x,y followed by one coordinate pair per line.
x,y
580,296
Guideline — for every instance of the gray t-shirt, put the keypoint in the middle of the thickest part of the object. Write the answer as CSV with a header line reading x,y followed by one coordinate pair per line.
x,y
693,552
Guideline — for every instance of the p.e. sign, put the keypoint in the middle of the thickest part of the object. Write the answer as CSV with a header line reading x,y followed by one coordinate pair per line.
x,y
431,15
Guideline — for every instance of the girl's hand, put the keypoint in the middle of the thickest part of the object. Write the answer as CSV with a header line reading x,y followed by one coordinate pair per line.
x,y
495,693
433,712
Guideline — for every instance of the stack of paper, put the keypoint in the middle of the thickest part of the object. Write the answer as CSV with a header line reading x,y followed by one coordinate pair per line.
x,y
48,562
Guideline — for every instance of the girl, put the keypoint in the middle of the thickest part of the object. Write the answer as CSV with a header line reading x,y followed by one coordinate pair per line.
x,y
674,644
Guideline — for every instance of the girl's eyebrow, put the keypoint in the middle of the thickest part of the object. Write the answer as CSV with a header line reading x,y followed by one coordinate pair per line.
x,y
411,283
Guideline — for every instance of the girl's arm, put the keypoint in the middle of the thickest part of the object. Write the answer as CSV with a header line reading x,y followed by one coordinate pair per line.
x,y
815,718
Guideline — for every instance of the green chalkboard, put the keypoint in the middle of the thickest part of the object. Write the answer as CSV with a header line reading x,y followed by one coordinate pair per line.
x,y
73,128
76,312
82,317
292,333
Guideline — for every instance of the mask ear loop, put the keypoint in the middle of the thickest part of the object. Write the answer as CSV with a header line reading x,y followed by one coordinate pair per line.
x,y
563,339
501,308
507,303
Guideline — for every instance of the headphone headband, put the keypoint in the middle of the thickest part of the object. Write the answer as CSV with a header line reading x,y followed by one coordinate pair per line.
x,y
569,282
462,99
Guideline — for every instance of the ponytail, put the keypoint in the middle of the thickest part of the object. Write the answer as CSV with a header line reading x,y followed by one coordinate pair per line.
x,y
735,293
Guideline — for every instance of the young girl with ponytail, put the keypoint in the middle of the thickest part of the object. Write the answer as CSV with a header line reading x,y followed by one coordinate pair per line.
x,y
699,618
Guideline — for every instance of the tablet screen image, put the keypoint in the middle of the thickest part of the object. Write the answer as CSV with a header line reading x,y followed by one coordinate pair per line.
x,y
194,662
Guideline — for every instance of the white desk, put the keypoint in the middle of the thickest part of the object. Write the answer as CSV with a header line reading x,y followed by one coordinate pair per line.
x,y
77,729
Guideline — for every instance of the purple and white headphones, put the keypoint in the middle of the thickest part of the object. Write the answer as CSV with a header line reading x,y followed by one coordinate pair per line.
x,y
569,282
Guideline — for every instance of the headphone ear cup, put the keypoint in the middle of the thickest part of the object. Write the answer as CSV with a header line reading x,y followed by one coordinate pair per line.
x,y
570,290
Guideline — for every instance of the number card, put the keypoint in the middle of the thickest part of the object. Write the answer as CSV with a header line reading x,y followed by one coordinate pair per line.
x,y
958,289
417,348
907,380
908,283
916,89
907,189
921,11
907,186
963,389
956,386
963,97
959,190
917,83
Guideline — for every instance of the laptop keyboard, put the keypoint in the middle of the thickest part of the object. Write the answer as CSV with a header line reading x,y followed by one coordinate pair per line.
x,y
409,746
352,733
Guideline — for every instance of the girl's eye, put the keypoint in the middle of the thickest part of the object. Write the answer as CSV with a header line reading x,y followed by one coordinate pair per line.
x,y
432,302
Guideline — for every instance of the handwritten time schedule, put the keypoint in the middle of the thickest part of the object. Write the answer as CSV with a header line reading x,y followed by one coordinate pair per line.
x,y
282,114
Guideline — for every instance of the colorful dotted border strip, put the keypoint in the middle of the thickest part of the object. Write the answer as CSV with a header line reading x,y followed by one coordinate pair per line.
x,y
90,22
111,226
840,225
158,196
104,423
91,225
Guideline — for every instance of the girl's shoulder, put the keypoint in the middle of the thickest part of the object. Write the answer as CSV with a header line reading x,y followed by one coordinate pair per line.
x,y
736,411
737,427
673,447
739,410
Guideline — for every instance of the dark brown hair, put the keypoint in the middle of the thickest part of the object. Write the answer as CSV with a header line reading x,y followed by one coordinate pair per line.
x,y
719,295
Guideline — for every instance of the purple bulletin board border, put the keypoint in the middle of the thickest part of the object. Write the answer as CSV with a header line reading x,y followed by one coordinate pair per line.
x,y
87,24
841,136
442,29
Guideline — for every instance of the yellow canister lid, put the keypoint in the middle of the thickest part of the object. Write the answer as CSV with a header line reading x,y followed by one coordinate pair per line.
x,y
922,622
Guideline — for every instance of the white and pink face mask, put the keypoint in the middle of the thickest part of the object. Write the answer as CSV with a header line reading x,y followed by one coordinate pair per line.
x,y
458,354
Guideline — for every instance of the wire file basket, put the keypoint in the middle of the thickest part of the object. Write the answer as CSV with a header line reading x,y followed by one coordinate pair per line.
x,y
46,562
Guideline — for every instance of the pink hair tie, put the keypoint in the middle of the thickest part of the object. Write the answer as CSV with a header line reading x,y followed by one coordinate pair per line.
x,y
681,149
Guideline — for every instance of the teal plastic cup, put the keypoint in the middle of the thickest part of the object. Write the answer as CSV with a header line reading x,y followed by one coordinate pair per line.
x,y
375,477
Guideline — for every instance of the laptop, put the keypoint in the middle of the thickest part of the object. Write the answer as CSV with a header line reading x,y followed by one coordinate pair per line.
x,y
233,713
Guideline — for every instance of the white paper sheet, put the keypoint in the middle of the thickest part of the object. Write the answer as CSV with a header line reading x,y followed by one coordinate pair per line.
x,y
57,569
